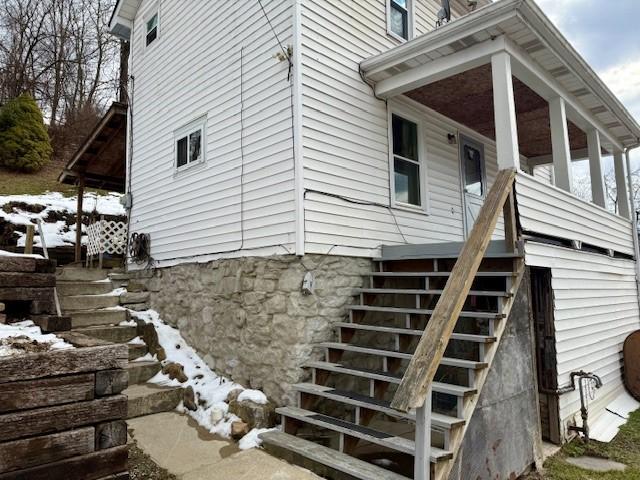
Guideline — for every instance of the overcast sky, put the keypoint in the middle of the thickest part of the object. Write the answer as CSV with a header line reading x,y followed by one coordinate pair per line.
x,y
607,35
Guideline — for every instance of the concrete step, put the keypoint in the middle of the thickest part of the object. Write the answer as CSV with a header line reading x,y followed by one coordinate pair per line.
x,y
76,274
137,350
147,399
134,297
67,289
140,372
322,460
88,302
113,334
81,319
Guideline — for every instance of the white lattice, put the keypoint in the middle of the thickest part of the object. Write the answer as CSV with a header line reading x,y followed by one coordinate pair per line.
x,y
106,236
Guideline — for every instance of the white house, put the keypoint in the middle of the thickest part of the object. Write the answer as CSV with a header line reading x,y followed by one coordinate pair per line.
x,y
280,151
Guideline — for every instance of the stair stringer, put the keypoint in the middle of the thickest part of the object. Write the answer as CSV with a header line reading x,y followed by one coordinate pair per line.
x,y
443,469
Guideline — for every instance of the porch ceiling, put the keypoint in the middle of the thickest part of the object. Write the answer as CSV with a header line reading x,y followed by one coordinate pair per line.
x,y
541,57
467,98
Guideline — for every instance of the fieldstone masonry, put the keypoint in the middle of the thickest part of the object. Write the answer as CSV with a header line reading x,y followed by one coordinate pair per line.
x,y
248,317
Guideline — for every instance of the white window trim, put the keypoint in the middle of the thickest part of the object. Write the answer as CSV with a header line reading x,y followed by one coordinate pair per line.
x,y
410,22
424,191
153,10
185,131
462,137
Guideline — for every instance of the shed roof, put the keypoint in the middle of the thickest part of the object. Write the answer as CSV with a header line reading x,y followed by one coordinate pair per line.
x,y
101,159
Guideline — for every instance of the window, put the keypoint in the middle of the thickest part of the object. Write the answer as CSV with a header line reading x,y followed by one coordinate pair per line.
x,y
406,161
152,29
189,145
473,170
399,18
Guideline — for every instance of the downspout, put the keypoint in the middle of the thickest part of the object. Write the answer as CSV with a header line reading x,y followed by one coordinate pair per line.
x,y
296,112
634,219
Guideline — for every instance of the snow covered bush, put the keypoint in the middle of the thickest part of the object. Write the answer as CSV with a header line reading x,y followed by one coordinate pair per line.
x,y
24,141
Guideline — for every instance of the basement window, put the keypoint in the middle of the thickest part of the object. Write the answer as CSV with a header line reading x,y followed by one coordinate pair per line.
x,y
405,161
189,145
152,29
399,18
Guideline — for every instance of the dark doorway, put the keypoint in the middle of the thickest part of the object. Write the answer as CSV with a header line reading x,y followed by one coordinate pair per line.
x,y
543,319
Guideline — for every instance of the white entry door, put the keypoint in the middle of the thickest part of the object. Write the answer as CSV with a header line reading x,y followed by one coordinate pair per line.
x,y
474,182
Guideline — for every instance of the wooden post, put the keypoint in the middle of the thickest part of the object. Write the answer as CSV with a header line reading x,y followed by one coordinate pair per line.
x,y
78,256
595,168
560,144
422,466
28,243
624,209
505,112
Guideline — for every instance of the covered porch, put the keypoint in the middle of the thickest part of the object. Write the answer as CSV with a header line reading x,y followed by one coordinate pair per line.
x,y
505,72
100,163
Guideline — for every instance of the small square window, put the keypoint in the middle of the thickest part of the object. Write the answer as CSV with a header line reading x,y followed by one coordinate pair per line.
x,y
399,18
189,144
473,170
152,29
406,161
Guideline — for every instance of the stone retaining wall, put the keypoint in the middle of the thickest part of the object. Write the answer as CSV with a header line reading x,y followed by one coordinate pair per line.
x,y
248,317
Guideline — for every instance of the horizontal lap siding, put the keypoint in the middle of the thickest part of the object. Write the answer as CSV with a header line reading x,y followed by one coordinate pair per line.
x,y
547,210
345,138
595,309
193,70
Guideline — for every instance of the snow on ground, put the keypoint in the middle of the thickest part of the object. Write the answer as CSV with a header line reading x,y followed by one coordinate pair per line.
x,y
54,232
211,389
4,253
27,330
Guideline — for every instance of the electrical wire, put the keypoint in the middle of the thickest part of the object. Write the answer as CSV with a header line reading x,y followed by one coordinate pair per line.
x,y
275,34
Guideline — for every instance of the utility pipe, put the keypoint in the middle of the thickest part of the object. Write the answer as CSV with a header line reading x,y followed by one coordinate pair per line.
x,y
634,220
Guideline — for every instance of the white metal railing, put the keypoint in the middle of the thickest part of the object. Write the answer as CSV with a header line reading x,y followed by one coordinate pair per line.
x,y
106,236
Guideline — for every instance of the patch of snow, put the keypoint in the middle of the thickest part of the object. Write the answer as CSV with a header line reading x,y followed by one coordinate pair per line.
x,y
128,323
30,330
605,426
252,439
146,358
211,390
255,396
116,292
136,341
58,233
4,253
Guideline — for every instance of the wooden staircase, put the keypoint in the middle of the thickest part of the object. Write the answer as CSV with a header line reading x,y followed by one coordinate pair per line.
x,y
351,420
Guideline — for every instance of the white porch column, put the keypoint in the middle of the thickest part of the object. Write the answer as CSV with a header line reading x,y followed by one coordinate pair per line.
x,y
505,112
595,167
624,209
560,143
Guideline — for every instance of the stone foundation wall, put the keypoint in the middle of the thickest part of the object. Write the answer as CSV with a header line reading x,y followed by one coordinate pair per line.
x,y
248,317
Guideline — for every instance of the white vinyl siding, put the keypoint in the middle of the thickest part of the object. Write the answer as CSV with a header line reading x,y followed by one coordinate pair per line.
x,y
548,210
198,212
595,309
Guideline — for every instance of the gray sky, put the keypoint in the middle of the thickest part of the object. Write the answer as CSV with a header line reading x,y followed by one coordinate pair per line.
x,y
607,35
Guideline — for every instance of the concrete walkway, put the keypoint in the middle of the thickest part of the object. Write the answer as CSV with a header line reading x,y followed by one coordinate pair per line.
x,y
178,444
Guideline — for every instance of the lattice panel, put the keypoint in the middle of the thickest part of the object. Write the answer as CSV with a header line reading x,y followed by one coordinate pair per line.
x,y
106,236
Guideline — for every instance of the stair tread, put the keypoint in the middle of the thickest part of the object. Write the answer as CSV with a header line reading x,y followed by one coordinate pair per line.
x,y
422,311
352,398
411,331
439,274
438,387
456,362
364,433
420,291
143,389
142,364
326,456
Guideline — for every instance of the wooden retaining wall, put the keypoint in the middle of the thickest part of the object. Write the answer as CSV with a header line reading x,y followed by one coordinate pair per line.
x,y
62,414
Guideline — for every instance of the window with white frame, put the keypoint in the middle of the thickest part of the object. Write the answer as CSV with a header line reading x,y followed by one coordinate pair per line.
x,y
152,28
406,161
399,18
189,145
